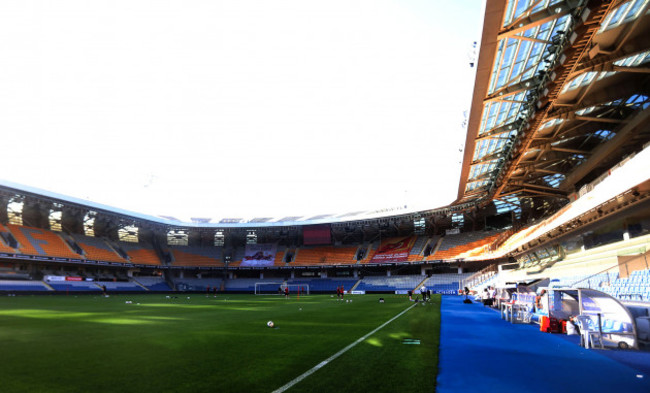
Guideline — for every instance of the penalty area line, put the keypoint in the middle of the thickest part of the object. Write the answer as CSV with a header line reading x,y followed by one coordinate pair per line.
x,y
339,353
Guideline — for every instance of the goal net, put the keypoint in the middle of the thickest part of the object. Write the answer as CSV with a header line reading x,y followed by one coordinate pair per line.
x,y
277,288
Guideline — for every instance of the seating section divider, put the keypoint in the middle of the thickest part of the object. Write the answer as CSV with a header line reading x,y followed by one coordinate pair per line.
x,y
3,246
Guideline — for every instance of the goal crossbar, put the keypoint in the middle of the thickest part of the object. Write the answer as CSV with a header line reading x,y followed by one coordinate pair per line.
x,y
277,288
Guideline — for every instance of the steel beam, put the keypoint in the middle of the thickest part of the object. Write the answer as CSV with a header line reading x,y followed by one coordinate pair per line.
x,y
638,122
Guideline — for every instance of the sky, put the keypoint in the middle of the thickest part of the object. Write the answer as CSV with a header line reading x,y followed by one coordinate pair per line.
x,y
246,109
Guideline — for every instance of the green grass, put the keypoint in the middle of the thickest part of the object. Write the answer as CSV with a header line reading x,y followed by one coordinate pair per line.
x,y
89,343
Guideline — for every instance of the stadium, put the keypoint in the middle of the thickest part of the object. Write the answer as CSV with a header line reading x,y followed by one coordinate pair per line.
x,y
535,278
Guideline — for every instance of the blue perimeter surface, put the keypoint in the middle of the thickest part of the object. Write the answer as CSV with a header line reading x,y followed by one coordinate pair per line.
x,y
480,352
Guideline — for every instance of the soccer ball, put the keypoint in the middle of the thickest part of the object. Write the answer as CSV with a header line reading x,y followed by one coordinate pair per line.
x,y
270,324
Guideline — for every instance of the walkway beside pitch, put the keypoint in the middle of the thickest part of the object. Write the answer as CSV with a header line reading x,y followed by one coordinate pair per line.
x,y
480,352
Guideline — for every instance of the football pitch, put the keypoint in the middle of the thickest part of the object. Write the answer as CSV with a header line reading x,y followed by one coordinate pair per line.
x,y
194,343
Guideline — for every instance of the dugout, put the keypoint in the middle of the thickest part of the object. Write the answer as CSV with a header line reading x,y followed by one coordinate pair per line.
x,y
603,320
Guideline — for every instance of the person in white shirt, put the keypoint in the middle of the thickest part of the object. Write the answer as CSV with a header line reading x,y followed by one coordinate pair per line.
x,y
493,294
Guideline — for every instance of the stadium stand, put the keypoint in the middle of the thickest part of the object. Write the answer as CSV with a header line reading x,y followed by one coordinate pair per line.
x,y
197,284
597,268
635,287
8,271
22,285
325,284
445,283
418,248
238,256
370,251
246,284
65,286
153,283
464,244
35,241
128,286
140,253
325,255
97,249
383,250
279,256
392,283
4,236
197,256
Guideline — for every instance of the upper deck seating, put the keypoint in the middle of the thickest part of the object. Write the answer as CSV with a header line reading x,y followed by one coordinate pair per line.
x,y
279,256
390,250
140,253
97,249
197,256
325,255
454,246
36,241
418,247
238,256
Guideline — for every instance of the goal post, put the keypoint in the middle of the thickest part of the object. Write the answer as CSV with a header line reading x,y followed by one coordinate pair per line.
x,y
277,288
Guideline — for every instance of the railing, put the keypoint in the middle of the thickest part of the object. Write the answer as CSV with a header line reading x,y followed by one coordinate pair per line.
x,y
480,277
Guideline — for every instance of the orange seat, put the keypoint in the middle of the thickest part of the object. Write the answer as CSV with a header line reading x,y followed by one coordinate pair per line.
x,y
140,253
279,258
325,255
191,256
458,251
36,241
97,249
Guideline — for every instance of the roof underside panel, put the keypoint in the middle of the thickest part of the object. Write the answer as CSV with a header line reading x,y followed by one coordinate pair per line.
x,y
566,95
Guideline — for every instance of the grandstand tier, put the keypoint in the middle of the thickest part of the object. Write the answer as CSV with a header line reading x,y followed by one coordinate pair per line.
x,y
97,249
35,241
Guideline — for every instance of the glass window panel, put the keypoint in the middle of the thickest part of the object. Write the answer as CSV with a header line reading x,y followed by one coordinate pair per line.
x,y
634,9
509,11
522,5
619,13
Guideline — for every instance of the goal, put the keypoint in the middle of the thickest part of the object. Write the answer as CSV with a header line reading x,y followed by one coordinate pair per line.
x,y
271,288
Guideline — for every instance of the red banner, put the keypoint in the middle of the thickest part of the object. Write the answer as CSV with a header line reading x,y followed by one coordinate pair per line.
x,y
316,234
73,279
393,250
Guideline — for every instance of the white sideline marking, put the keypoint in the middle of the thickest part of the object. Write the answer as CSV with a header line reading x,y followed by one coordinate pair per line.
x,y
339,353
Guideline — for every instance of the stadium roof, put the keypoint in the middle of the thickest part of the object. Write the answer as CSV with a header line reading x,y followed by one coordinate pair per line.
x,y
561,94
9,190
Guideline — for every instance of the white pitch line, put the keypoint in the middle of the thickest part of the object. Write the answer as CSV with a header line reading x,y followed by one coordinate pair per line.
x,y
339,353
